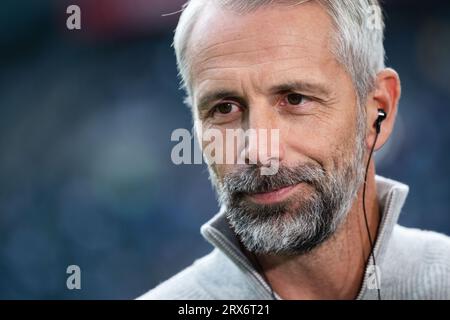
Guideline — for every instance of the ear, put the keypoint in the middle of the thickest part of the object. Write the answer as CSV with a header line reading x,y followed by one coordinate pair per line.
x,y
386,96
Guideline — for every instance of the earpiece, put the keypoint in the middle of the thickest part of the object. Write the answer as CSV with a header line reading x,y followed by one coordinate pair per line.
x,y
381,116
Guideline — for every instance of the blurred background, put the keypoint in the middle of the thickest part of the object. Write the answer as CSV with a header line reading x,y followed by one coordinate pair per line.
x,y
85,123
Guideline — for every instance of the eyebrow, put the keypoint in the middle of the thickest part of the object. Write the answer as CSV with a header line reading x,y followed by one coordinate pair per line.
x,y
290,86
208,98
302,86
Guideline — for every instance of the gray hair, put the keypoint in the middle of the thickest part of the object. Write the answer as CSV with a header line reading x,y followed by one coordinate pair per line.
x,y
358,45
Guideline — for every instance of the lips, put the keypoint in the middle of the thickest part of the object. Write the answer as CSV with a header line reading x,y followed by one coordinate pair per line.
x,y
274,196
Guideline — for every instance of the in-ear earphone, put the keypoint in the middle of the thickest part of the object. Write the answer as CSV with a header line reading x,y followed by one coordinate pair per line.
x,y
381,117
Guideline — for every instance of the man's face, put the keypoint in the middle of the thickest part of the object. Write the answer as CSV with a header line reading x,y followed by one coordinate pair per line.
x,y
274,69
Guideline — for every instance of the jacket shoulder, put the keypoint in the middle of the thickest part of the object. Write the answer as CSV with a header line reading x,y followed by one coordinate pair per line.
x,y
418,264
431,247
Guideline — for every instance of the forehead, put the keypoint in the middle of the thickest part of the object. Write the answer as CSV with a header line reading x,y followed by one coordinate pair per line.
x,y
271,41
216,25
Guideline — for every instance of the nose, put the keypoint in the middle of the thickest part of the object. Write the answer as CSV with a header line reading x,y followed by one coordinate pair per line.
x,y
262,145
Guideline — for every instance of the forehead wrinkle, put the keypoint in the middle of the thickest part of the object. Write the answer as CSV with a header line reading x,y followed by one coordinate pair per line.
x,y
286,56
289,55
297,41
215,70
220,43
221,79
302,70
274,72
208,69
252,51
296,37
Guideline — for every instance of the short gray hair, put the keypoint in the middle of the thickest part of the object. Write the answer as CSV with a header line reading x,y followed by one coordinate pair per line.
x,y
358,45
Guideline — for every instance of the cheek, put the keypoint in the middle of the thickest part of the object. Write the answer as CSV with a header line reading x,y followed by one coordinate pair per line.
x,y
323,143
304,138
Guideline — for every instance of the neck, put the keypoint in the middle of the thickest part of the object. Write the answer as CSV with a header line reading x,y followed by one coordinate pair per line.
x,y
335,269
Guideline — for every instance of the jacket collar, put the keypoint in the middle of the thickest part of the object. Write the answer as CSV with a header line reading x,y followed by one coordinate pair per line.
x,y
391,196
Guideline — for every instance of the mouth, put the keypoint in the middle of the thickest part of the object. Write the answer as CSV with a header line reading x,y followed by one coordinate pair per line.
x,y
274,196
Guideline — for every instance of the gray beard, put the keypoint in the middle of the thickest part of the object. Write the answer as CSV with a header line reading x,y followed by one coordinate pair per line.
x,y
305,220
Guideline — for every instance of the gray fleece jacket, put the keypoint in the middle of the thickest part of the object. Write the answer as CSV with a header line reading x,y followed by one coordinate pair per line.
x,y
413,264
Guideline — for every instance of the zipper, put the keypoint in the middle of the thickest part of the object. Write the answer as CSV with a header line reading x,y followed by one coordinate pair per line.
x,y
239,258
377,245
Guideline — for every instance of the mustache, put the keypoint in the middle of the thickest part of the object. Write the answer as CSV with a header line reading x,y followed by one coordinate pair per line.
x,y
249,179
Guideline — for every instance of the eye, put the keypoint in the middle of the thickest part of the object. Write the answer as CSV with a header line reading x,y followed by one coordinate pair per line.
x,y
224,109
296,99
